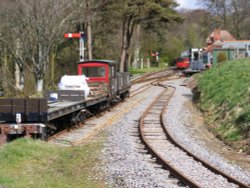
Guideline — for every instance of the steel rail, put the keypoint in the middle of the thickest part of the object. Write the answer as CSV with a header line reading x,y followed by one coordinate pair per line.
x,y
152,81
182,177
195,157
133,93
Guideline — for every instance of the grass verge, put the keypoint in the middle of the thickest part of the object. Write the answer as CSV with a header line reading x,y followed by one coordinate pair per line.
x,y
27,163
224,94
147,70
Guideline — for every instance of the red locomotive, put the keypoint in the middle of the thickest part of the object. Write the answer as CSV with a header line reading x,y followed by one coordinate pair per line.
x,y
182,63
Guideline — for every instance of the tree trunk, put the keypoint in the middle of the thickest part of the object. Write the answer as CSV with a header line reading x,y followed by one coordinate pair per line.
x,y
123,59
142,63
129,61
89,18
19,76
39,85
127,31
148,62
53,62
4,74
137,47
41,62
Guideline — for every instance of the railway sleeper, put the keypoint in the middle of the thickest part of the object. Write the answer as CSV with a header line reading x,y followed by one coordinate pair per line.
x,y
157,121
154,129
154,134
156,139
149,125
142,151
152,118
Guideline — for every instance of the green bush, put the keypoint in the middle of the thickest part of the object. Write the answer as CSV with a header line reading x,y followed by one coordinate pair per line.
x,y
221,57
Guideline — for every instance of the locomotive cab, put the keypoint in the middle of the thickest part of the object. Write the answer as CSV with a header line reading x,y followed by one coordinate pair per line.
x,y
182,63
104,79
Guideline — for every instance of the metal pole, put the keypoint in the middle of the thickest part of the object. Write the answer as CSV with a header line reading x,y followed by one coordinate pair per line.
x,y
81,41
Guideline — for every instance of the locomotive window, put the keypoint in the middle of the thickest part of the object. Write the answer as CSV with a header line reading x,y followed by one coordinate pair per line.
x,y
94,71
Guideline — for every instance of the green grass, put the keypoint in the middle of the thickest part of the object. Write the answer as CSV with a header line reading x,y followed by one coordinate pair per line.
x,y
148,70
225,94
27,163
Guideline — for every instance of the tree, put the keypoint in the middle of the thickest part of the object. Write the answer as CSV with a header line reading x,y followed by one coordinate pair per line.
x,y
87,17
192,33
38,25
219,8
150,14
232,15
240,18
195,29
11,45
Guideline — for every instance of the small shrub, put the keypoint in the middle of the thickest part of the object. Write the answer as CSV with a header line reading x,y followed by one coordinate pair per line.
x,y
221,57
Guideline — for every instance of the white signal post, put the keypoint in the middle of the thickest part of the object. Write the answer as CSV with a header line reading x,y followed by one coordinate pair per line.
x,y
157,56
79,35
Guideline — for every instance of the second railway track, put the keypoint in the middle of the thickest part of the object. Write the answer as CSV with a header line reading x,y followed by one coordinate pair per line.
x,y
142,84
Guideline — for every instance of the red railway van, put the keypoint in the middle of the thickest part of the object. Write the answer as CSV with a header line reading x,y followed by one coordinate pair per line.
x,y
182,63
104,79
98,73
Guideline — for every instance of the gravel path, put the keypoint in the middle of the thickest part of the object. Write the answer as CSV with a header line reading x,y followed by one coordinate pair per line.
x,y
124,166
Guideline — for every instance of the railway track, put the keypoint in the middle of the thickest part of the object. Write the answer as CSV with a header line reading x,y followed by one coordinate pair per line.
x,y
147,80
157,141
140,85
153,76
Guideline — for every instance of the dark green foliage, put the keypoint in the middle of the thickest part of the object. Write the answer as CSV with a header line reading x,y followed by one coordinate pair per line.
x,y
151,15
158,13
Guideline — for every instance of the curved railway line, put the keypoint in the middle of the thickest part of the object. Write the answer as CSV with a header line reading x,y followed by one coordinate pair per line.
x,y
156,140
155,137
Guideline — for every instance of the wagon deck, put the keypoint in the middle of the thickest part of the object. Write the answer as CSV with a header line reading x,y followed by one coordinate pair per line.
x,y
41,110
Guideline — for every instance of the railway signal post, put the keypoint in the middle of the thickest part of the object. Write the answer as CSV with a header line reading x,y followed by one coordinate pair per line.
x,y
81,36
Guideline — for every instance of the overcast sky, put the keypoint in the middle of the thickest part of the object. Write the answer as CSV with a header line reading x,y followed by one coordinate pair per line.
x,y
188,4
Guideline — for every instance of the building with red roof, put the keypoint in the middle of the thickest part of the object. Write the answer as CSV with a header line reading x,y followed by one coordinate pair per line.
x,y
216,39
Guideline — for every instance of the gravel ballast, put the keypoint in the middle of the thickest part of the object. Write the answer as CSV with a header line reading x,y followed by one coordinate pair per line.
x,y
124,164
180,126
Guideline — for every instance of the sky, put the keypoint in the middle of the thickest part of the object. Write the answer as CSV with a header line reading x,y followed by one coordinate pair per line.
x,y
188,4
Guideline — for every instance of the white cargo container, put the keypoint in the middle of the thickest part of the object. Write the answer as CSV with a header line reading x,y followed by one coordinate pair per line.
x,y
74,83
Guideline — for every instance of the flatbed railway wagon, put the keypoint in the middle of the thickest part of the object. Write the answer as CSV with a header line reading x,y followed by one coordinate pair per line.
x,y
40,117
